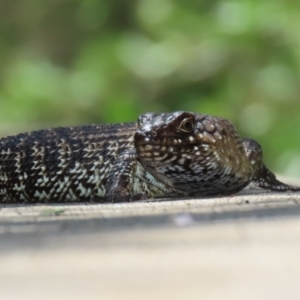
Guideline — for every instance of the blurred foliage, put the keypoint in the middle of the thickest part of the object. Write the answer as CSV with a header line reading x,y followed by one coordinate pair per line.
x,y
68,62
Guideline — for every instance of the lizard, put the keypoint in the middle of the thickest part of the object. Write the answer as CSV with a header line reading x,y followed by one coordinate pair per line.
x,y
178,154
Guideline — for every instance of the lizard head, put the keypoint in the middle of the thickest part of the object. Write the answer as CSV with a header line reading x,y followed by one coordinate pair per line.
x,y
194,151
162,138
171,139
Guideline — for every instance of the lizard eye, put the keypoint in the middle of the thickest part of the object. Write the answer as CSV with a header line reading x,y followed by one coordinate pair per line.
x,y
187,125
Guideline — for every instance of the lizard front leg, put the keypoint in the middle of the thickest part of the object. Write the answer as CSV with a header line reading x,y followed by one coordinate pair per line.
x,y
120,181
262,176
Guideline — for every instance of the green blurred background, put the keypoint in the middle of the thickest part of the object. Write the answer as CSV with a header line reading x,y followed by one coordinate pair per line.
x,y
67,62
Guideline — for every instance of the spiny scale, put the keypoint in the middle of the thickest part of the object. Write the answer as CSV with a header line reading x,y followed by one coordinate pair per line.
x,y
162,155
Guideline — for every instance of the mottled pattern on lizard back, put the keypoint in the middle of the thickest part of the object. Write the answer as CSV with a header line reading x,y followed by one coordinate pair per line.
x,y
61,164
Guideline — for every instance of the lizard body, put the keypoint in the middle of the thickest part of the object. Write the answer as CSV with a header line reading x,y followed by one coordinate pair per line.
x,y
162,155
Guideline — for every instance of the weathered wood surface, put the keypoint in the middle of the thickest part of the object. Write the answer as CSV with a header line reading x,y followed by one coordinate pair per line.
x,y
241,247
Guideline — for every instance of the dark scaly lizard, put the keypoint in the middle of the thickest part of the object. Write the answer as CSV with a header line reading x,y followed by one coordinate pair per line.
x,y
162,155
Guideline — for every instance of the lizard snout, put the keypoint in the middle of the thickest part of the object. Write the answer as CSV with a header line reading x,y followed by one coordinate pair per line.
x,y
144,137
